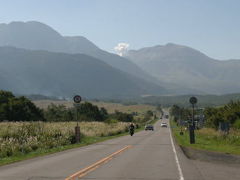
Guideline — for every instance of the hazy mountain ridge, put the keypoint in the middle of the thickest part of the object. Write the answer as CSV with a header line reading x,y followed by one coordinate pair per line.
x,y
61,74
177,68
185,66
80,44
38,36
31,35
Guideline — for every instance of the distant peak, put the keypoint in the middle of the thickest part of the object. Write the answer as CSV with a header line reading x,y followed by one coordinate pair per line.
x,y
25,22
77,38
35,24
171,44
80,40
174,45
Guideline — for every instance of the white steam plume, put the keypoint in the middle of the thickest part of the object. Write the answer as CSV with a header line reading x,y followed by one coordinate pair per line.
x,y
121,48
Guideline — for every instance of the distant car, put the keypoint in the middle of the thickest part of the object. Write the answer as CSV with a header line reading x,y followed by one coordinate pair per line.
x,y
166,116
163,124
149,127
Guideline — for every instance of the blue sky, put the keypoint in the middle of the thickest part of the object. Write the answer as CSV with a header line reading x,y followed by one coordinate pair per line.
x,y
211,26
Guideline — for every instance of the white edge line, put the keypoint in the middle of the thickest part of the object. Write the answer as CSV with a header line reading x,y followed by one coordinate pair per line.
x,y
176,157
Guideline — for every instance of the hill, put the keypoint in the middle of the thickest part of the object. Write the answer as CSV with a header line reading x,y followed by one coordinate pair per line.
x,y
38,36
189,68
181,100
63,75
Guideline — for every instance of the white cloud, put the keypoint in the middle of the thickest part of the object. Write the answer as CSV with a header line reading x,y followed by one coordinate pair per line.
x,y
121,48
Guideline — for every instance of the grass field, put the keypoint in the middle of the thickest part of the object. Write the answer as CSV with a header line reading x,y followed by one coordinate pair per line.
x,y
25,139
209,139
111,107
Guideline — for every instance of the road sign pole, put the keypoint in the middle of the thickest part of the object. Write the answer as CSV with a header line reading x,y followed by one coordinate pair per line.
x,y
193,121
76,114
77,133
77,128
191,128
191,134
193,100
77,99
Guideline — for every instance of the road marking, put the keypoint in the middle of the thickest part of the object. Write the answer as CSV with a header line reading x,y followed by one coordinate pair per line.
x,y
176,158
94,166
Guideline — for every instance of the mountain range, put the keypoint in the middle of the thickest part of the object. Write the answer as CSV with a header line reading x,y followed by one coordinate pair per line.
x,y
187,67
36,59
63,75
38,36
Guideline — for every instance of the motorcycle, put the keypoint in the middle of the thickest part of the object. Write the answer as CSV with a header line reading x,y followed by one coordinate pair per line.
x,y
131,131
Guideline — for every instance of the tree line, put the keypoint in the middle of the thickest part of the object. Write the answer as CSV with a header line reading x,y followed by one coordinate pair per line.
x,y
178,112
229,113
213,116
85,112
18,108
22,109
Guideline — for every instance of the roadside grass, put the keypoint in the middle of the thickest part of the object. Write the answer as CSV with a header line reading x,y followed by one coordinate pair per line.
x,y
209,139
91,138
42,152
23,140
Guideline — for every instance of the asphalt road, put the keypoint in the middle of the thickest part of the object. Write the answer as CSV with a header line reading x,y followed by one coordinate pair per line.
x,y
149,155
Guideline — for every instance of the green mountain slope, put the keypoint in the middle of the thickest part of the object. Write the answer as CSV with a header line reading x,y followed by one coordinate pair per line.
x,y
60,74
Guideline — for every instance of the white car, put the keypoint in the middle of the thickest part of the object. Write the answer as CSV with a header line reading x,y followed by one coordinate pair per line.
x,y
163,124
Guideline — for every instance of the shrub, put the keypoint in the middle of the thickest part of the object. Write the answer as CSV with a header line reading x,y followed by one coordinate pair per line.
x,y
228,113
123,117
18,108
236,125
109,121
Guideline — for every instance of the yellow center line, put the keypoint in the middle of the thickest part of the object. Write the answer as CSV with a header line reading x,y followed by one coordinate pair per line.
x,y
94,166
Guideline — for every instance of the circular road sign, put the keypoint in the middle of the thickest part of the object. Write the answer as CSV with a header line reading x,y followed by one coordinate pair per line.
x,y
77,99
193,100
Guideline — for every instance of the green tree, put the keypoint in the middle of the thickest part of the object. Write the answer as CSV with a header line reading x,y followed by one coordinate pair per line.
x,y
18,108
58,113
124,117
92,112
228,113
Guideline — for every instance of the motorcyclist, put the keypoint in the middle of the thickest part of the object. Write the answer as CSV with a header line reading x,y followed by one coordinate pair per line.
x,y
131,129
